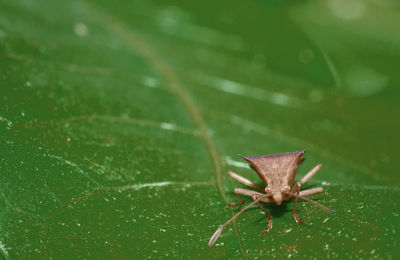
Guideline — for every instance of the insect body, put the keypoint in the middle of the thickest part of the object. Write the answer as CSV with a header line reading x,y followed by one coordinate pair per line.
x,y
277,172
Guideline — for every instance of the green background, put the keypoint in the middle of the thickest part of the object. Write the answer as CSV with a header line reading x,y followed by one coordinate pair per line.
x,y
119,121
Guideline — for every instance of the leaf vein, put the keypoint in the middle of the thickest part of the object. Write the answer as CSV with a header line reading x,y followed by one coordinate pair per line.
x,y
147,52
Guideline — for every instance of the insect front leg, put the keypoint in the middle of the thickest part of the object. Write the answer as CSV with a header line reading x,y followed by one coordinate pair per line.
x,y
249,193
296,189
296,218
305,193
256,197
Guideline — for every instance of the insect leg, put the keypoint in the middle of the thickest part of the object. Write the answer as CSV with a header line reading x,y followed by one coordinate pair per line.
x,y
249,193
304,193
245,181
307,177
311,191
238,196
296,189
310,200
294,213
257,197
219,230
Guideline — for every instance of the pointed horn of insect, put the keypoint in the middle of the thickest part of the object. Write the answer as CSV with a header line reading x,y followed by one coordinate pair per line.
x,y
219,230
310,200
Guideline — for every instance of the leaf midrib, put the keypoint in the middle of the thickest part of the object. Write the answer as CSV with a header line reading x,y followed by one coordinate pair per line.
x,y
144,49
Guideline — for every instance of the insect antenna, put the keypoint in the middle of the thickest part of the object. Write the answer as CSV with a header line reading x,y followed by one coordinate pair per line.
x,y
310,200
219,230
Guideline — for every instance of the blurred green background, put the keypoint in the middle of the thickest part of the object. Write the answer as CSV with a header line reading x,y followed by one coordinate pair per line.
x,y
119,121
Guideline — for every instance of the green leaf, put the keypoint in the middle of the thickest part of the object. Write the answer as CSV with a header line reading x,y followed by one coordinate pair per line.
x,y
119,122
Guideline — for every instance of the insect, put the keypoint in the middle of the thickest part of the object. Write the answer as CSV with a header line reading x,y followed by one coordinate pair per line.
x,y
277,172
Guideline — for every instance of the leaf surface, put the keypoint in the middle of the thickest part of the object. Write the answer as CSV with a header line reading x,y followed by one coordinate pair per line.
x,y
119,122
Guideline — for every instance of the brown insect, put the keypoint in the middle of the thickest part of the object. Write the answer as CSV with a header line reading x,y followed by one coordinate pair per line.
x,y
277,171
